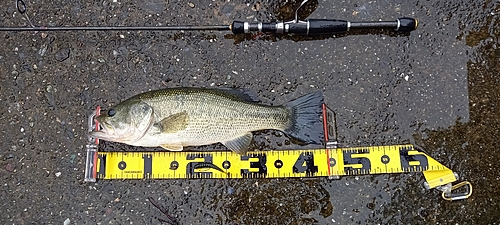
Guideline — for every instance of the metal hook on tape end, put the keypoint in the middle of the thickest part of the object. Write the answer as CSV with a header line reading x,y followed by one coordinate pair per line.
x,y
91,160
446,190
458,196
449,187
94,124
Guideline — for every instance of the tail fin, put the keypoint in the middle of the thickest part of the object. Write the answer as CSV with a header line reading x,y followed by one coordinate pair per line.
x,y
305,119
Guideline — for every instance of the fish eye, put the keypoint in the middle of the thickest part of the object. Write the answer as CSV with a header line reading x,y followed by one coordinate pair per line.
x,y
111,112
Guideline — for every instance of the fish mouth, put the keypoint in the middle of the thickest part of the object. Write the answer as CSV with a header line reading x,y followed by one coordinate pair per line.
x,y
103,131
98,134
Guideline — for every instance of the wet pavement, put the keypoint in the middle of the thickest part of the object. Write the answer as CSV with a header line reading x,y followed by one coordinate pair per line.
x,y
436,87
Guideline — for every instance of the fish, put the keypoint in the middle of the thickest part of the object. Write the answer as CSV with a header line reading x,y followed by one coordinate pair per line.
x,y
174,118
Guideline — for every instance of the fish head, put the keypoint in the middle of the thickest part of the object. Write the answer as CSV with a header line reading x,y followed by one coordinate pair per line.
x,y
125,123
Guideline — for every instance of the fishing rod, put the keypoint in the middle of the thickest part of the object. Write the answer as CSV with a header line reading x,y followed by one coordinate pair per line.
x,y
295,26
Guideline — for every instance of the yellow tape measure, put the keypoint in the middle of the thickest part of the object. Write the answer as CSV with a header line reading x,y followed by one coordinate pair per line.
x,y
271,164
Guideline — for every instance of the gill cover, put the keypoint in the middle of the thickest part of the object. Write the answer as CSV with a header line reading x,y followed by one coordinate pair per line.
x,y
126,122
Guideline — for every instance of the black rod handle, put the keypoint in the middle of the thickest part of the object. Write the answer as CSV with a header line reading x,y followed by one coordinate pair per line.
x,y
317,26
404,24
322,26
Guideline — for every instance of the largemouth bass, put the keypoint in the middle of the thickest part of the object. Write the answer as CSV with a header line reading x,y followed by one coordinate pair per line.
x,y
177,117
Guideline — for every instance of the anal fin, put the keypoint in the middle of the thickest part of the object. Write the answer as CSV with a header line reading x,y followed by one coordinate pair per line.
x,y
240,144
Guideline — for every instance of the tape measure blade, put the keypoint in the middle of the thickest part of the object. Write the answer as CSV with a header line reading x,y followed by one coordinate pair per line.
x,y
272,164
437,174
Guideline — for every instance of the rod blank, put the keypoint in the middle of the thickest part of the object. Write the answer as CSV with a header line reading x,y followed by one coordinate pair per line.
x,y
117,28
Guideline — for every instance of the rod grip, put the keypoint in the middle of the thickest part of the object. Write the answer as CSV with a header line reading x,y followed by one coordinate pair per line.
x,y
317,26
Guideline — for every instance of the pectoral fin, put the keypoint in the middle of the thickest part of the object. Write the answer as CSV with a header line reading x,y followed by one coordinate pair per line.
x,y
172,147
240,144
173,123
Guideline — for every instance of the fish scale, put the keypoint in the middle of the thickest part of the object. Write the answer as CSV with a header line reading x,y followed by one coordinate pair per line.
x,y
207,111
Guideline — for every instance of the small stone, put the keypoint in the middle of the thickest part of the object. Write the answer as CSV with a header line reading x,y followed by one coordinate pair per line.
x,y
58,174
72,158
50,100
10,167
42,50
62,54
187,190
67,221
191,4
227,9
256,7
422,212
208,217
230,190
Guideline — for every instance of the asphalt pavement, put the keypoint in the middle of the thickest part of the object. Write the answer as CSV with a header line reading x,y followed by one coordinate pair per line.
x,y
436,87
